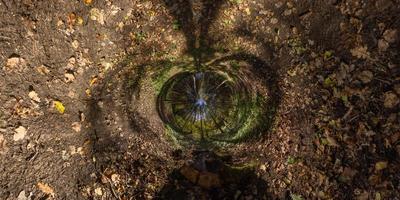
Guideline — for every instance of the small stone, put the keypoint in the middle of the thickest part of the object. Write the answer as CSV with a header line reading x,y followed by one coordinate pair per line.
x,y
22,196
98,191
34,96
20,133
366,76
390,100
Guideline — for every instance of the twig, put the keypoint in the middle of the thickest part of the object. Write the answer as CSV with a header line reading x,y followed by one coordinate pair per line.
x,y
383,81
348,113
4,37
111,186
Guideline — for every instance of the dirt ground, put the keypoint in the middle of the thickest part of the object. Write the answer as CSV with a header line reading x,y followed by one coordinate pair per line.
x,y
77,101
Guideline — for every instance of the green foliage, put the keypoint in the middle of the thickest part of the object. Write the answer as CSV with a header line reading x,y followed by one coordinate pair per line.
x,y
176,25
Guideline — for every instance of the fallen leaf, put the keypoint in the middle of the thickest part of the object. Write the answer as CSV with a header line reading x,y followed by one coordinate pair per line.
x,y
360,52
93,81
390,100
87,2
79,20
75,44
76,126
71,19
363,196
331,141
115,178
366,76
381,165
328,54
22,196
382,45
20,133
45,188
15,63
291,160
263,168
42,70
328,82
378,196
97,15
34,96
69,77
296,197
98,191
59,107
390,35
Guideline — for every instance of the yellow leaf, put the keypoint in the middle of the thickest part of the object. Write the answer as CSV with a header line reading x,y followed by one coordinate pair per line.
x,y
59,107
45,188
88,92
93,81
88,2
381,165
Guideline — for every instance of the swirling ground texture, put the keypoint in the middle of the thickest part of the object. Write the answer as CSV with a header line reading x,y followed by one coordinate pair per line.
x,y
199,99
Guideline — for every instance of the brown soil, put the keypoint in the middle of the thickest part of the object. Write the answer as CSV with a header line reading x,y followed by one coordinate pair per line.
x,y
331,67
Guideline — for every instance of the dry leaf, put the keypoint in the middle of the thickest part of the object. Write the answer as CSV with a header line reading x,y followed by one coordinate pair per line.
x,y
69,77
15,63
42,70
34,96
98,191
381,165
87,2
390,35
390,100
45,188
20,133
76,126
366,76
360,52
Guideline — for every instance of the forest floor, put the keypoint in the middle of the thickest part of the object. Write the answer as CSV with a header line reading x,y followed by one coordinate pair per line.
x,y
68,129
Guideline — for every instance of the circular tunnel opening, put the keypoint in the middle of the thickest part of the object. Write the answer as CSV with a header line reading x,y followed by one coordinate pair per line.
x,y
204,106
